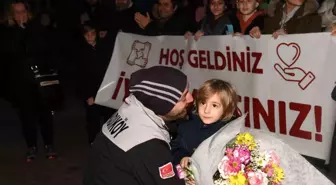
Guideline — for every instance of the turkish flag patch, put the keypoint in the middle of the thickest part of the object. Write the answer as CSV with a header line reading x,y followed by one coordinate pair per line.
x,y
167,171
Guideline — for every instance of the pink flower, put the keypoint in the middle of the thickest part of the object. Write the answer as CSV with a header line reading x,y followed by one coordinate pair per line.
x,y
228,167
235,165
229,152
274,158
269,170
257,178
243,154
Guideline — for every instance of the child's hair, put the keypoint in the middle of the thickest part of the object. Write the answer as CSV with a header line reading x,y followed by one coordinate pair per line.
x,y
87,26
226,92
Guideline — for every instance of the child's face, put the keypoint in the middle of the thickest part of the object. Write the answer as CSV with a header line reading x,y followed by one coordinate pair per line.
x,y
212,110
90,36
246,7
217,7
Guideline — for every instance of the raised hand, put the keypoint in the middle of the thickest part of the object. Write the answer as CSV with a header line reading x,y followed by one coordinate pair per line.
x,y
142,20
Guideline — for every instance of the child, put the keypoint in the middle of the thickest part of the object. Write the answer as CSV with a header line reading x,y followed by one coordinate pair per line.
x,y
216,103
93,58
247,17
216,22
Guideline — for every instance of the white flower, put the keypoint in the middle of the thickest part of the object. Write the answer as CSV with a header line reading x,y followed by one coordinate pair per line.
x,y
262,159
242,168
235,153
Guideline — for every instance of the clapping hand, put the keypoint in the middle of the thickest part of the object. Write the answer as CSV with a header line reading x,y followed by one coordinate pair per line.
x,y
142,20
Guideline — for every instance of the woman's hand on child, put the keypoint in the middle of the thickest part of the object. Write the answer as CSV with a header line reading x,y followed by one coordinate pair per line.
x,y
185,162
198,34
255,32
187,35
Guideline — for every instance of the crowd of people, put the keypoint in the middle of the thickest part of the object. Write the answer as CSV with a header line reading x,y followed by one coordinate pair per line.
x,y
40,40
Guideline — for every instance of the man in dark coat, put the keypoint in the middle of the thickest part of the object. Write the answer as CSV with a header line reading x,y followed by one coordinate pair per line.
x,y
171,21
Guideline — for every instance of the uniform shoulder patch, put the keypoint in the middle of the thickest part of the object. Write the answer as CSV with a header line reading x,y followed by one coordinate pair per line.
x,y
167,171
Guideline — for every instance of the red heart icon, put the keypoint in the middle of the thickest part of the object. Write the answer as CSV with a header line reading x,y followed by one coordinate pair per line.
x,y
288,53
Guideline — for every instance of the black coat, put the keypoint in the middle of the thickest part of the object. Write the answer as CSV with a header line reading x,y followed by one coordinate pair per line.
x,y
92,63
178,24
102,16
191,134
24,48
3,93
126,21
257,20
215,27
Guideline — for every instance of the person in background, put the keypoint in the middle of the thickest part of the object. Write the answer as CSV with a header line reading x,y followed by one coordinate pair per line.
x,y
93,62
144,6
27,48
155,12
126,12
96,12
133,147
263,4
327,12
290,17
170,22
216,104
215,23
200,13
89,11
188,8
247,17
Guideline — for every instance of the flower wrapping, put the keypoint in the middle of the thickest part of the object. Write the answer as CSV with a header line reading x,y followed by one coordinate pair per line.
x,y
210,153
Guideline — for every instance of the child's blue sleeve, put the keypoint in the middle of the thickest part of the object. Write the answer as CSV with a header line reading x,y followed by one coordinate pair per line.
x,y
179,150
179,146
229,29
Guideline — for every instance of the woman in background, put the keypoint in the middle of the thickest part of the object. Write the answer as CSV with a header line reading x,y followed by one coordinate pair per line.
x,y
27,48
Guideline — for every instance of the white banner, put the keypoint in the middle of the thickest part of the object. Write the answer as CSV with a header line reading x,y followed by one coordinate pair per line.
x,y
285,84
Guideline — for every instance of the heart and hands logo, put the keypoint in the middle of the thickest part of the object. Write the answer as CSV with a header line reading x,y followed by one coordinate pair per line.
x,y
288,55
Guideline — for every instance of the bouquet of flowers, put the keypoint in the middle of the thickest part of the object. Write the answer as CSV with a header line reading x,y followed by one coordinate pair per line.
x,y
244,164
228,157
